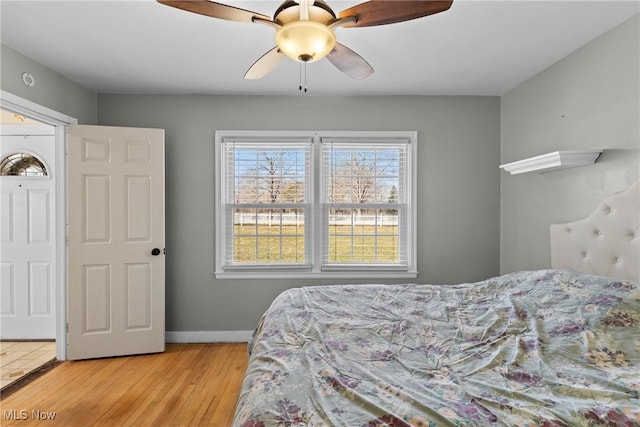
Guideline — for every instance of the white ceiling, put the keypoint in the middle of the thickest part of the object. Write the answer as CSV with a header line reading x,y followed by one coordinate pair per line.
x,y
477,47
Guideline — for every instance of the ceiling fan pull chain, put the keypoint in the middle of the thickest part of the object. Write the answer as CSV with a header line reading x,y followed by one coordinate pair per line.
x,y
300,76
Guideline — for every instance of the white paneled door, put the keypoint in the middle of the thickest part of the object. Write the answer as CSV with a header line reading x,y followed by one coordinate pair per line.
x,y
27,237
116,241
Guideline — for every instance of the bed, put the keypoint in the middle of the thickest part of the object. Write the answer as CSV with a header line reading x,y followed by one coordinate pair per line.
x,y
556,347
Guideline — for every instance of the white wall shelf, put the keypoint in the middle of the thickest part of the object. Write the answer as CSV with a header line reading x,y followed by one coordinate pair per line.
x,y
553,161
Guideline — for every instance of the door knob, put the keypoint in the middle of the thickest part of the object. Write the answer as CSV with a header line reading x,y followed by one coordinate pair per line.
x,y
155,251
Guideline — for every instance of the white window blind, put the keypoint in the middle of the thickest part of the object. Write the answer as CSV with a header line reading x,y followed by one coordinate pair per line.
x,y
305,204
364,197
266,199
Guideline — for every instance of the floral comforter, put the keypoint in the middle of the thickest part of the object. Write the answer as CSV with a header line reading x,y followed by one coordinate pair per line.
x,y
541,348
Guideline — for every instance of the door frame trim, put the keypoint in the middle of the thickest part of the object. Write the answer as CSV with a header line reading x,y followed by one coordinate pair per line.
x,y
60,121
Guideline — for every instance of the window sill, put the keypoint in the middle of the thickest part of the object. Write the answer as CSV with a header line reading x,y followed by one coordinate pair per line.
x,y
255,275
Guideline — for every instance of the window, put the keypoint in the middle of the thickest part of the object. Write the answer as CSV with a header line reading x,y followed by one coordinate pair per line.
x,y
22,164
304,204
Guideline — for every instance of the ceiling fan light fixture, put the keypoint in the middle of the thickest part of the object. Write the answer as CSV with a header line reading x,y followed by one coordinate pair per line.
x,y
305,41
304,28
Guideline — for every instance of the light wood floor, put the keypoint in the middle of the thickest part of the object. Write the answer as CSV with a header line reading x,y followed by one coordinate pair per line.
x,y
19,358
188,385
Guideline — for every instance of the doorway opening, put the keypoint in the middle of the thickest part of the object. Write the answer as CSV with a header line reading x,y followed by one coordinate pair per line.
x,y
34,123
28,239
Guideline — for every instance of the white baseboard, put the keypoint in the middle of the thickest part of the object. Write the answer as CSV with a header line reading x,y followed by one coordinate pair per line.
x,y
207,336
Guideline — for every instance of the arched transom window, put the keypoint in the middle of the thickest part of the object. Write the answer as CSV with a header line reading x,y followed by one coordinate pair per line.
x,y
22,164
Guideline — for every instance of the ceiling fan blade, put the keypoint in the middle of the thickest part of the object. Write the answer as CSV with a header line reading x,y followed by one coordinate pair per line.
x,y
349,62
215,10
382,12
263,66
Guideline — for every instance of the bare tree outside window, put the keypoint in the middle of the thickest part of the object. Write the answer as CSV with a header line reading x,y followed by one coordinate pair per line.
x,y
307,203
361,181
270,186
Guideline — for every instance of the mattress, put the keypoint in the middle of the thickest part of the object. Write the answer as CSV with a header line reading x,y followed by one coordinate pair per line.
x,y
532,348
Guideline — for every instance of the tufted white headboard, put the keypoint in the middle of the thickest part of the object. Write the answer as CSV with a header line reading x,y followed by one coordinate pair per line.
x,y
606,243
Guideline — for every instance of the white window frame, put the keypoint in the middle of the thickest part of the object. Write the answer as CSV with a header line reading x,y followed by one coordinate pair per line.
x,y
315,237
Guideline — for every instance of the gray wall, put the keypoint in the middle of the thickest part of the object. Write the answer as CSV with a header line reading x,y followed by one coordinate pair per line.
x,y
588,100
458,186
51,89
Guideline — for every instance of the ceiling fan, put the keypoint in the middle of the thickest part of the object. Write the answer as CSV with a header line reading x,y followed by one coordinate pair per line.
x,y
305,28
